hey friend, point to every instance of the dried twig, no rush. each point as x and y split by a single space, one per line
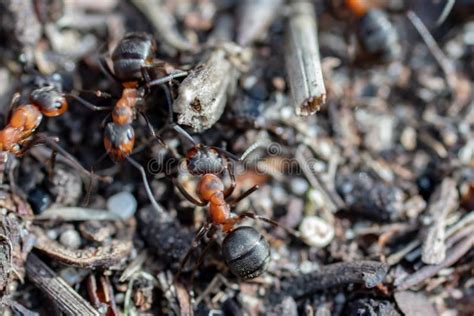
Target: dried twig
203 93
184 300
77 214
101 294
332 200
443 61
255 17
11 261
460 225
446 10
444 201
92 257
369 273
302 59
428 271
66 299
164 23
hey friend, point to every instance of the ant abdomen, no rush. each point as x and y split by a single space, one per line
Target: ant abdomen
246 252
133 52
378 36
119 140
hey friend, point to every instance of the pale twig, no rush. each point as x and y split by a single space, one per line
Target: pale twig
302 58
446 65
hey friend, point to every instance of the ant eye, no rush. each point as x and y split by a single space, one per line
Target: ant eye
58 105
130 133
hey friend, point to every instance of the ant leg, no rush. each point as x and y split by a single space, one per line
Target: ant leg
90 185
152 130
14 101
225 153
188 196
53 144
168 78
169 102
230 167
269 221
89 105
202 255
185 134
105 68
99 94
52 163
195 243
152 199
104 121
243 195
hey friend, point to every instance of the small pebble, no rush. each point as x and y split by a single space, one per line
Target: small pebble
71 239
317 198
279 195
316 232
119 298
299 186
408 138
122 204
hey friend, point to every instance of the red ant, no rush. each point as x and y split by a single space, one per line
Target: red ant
245 250
19 134
132 57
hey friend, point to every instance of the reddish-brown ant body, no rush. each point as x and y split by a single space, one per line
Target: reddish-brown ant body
19 133
26 118
132 58
244 249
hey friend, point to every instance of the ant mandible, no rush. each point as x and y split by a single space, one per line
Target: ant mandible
245 251
132 58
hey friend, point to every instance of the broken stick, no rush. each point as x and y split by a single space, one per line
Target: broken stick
302 58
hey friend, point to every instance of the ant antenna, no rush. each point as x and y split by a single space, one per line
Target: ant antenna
185 134
105 68
52 142
160 81
253 147
269 221
152 130
149 193
88 104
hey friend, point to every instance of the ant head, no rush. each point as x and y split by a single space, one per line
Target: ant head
50 101
119 140
246 252
202 160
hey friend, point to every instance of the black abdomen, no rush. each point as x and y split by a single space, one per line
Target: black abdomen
246 252
133 51
378 36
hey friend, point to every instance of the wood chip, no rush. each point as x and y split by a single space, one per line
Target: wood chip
444 201
65 297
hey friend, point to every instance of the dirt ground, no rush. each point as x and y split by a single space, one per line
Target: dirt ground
371 196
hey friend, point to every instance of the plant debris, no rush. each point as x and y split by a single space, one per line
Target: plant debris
254 157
